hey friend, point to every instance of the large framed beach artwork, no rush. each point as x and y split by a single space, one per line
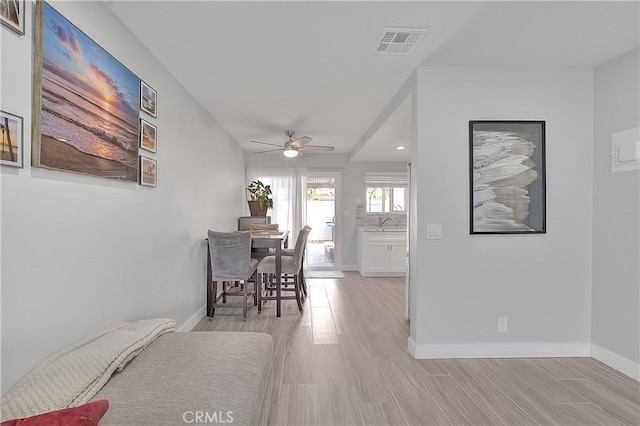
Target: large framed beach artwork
507 177
86 103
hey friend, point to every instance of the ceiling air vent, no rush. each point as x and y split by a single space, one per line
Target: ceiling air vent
396 41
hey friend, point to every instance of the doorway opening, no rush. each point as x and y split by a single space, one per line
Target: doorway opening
321 206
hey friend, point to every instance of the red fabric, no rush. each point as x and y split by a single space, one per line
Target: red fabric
88 414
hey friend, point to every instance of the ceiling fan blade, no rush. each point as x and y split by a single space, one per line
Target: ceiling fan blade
318 148
300 142
269 150
266 143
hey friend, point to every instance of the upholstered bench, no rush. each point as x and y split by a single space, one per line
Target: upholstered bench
194 377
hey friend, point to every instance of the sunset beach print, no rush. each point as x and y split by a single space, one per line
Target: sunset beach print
148 140
148 98
10 140
90 105
11 15
148 170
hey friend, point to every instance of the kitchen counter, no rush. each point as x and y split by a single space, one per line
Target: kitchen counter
374 229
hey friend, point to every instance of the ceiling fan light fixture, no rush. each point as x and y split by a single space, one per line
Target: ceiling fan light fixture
292 148
290 152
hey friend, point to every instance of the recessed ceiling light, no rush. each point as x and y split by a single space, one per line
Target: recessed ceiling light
400 147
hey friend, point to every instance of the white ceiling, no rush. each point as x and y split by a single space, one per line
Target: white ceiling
261 68
395 131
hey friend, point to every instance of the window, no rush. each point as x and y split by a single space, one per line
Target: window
385 192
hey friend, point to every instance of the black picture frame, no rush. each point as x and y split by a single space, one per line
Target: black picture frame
507 177
11 136
148 136
12 15
148 171
148 99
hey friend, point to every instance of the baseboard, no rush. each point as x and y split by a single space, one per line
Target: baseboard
500 350
615 361
412 347
349 268
194 319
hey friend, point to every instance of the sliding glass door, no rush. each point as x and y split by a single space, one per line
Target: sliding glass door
322 207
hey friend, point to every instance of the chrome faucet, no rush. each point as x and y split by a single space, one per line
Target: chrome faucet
382 222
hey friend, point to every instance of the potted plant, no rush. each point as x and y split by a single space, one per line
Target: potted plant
259 198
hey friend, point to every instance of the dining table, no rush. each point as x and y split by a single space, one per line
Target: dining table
263 239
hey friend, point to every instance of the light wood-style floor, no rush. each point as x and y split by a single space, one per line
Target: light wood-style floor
345 362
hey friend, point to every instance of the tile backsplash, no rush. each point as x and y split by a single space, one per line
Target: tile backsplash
366 220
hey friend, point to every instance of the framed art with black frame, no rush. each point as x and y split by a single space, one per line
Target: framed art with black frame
11 139
12 14
148 136
148 99
507 177
148 171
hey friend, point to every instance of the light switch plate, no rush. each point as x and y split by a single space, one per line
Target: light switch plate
434 231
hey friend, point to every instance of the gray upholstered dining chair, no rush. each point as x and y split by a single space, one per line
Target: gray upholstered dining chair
291 265
301 279
230 257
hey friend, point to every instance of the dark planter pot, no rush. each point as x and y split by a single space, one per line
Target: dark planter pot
255 210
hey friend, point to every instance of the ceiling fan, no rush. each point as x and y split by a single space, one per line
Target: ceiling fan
292 148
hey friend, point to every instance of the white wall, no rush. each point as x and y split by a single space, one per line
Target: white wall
352 188
540 282
616 213
79 253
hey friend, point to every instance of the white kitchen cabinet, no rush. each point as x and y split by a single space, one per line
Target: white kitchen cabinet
376 258
398 257
382 253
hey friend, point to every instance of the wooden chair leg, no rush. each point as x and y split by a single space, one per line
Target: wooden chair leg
255 288
224 292
296 287
212 289
303 282
244 303
259 290
278 296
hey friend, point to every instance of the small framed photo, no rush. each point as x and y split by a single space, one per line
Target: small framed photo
148 99
148 171
148 136
507 177
11 139
12 15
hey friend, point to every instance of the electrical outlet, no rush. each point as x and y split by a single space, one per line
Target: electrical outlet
502 324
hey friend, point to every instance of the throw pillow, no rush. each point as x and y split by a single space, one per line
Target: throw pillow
88 414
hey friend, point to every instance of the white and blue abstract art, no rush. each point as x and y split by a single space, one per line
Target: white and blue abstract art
507 177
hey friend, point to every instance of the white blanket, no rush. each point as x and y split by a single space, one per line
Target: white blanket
73 376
